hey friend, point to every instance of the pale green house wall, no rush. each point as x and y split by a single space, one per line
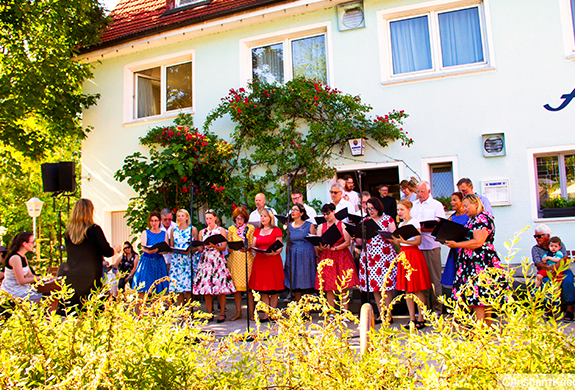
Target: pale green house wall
447 115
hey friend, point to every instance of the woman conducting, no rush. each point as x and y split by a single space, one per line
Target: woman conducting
86 246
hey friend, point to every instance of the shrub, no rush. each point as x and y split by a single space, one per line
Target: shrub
107 347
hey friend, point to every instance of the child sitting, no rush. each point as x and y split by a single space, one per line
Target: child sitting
553 256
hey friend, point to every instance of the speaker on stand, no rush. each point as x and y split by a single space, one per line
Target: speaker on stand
59 178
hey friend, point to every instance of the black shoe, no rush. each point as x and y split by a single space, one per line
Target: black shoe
264 320
377 321
568 316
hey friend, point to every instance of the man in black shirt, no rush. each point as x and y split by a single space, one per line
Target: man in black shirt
389 203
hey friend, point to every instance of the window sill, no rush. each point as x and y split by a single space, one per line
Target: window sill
158 118
438 75
554 220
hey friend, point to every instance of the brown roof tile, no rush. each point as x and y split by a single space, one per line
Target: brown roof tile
135 18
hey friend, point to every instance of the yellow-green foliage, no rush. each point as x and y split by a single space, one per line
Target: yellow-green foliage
108 347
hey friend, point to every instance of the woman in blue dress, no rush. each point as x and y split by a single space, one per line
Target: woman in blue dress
180 266
461 218
152 266
300 268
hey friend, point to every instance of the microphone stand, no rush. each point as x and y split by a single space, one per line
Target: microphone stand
191 247
246 247
288 252
359 174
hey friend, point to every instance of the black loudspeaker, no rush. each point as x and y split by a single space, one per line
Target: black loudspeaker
59 177
67 177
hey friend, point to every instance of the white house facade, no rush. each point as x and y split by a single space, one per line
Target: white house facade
487 85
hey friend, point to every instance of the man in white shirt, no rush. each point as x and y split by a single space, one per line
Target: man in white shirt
260 200
352 196
425 208
336 193
167 225
297 198
466 187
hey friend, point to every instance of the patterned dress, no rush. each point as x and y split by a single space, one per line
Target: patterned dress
342 263
213 277
267 272
301 265
180 268
380 255
152 267
472 262
237 259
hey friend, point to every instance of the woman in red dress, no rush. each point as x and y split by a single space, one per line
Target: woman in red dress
419 280
341 256
267 271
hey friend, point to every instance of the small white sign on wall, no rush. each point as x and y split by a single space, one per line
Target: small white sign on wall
497 191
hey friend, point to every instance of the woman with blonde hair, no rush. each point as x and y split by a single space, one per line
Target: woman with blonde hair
237 259
181 264
476 255
267 272
86 247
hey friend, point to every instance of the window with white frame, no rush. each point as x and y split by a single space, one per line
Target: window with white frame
283 59
555 177
441 182
429 42
161 89
572 18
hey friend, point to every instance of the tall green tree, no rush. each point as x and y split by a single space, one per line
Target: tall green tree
40 76
41 103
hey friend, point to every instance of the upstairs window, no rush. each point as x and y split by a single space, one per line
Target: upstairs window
459 33
162 89
427 42
290 58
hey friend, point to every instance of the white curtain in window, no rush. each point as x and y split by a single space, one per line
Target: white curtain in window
410 45
308 58
145 97
460 33
268 63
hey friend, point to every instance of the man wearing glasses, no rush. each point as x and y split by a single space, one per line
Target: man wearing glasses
297 198
167 225
542 236
336 193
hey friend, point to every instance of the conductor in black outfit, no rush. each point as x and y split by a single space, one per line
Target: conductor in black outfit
389 202
86 246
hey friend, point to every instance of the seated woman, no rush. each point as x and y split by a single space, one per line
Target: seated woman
17 274
127 263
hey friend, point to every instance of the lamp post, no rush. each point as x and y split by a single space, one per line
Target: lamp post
34 207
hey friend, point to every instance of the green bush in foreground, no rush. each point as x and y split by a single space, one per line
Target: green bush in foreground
107 347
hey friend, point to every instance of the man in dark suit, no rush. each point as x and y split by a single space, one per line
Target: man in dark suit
389 203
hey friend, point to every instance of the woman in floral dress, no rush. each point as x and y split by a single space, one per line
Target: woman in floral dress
181 267
476 256
237 260
380 254
213 276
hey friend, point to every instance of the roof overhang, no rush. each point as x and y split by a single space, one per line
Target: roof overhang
175 34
